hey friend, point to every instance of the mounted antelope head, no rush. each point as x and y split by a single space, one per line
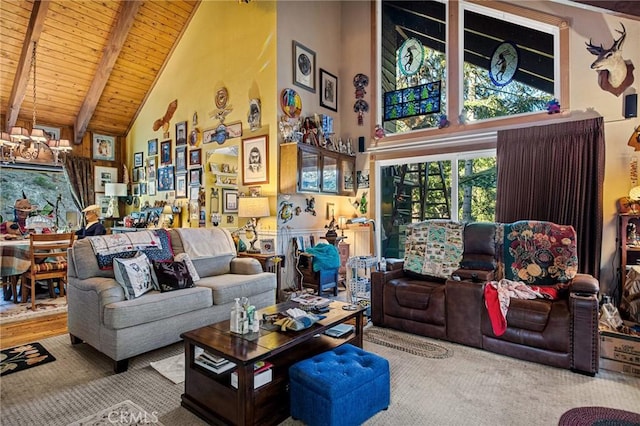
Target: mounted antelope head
612 65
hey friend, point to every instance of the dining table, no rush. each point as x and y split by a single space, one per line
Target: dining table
15 259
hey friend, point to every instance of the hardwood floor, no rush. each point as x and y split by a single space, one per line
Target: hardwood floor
34 330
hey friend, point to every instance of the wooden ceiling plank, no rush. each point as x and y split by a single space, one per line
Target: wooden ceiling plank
111 52
18 91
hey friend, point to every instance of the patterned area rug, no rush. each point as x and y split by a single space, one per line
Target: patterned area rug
406 342
12 312
22 357
123 413
599 416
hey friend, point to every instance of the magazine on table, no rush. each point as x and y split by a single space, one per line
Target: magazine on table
311 300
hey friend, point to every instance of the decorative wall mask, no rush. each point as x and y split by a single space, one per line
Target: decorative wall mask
615 74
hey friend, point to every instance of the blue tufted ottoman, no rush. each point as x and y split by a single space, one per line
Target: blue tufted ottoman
343 386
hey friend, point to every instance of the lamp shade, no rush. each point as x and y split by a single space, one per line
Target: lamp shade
167 209
253 207
115 189
634 193
38 135
64 145
19 133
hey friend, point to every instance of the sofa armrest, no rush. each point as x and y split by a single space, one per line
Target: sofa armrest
378 281
584 284
245 266
107 290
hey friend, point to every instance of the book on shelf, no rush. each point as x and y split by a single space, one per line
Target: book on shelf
340 330
262 374
212 362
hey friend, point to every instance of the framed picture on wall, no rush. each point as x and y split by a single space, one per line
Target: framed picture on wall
137 159
103 201
195 157
304 67
166 178
152 147
181 186
229 201
165 152
195 176
104 175
181 133
255 160
181 158
328 90
104 147
151 168
151 187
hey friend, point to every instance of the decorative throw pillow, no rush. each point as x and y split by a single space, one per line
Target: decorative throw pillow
172 275
134 275
184 257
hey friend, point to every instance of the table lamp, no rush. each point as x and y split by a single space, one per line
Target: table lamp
114 190
254 208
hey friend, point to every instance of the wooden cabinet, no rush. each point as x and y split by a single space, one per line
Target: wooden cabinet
629 245
308 168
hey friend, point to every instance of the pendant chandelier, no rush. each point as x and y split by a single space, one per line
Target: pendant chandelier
19 142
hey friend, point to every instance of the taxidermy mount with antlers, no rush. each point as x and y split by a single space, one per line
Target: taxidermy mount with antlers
614 73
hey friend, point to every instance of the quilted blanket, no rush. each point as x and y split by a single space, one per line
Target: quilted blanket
126 241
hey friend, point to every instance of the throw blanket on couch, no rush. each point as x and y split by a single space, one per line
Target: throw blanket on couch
200 243
155 244
126 241
497 295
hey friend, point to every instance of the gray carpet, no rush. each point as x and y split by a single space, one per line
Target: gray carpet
471 387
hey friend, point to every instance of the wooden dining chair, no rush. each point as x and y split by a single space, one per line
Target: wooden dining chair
48 262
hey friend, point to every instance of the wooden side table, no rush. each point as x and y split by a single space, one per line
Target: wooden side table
268 265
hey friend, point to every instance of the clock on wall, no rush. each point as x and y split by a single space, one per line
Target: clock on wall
410 56
504 63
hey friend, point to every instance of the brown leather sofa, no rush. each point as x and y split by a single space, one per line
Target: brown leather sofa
561 333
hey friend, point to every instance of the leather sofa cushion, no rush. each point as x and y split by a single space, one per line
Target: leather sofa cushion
416 300
537 323
479 246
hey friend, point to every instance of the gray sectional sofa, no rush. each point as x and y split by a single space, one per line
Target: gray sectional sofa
100 315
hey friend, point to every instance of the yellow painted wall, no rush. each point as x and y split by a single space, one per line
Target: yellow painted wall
228 44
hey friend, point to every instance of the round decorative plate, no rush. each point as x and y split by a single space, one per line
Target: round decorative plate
290 103
410 56
222 96
193 137
504 63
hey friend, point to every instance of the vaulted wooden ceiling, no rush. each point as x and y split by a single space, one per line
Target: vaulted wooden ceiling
95 60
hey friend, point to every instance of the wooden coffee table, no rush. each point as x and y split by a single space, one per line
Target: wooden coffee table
211 395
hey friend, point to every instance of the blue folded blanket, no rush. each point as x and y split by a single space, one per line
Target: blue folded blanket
325 256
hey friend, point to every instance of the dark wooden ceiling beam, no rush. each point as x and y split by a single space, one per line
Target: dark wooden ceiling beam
111 52
19 88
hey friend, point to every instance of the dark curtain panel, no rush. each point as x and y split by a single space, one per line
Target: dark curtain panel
79 170
555 173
